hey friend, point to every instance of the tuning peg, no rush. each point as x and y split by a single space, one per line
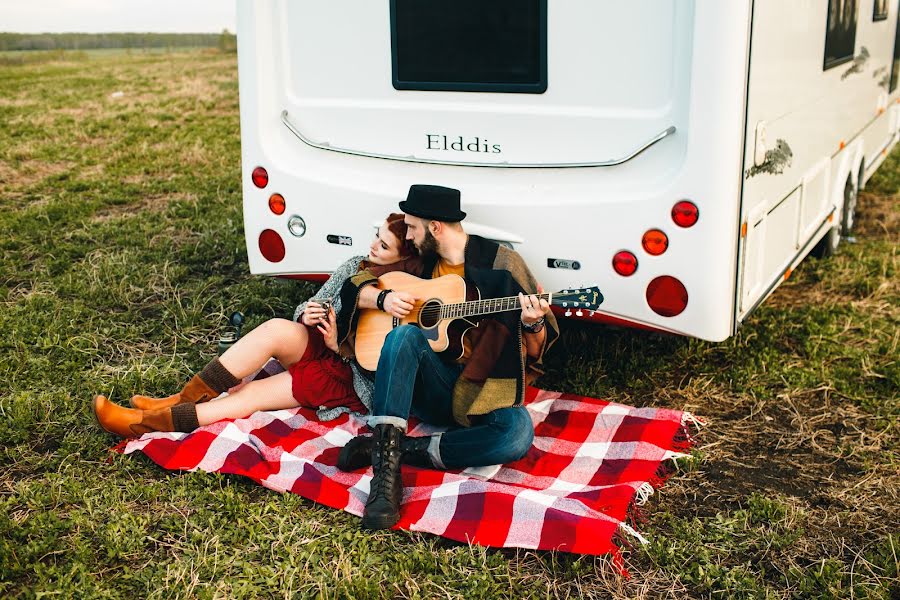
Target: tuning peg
568 313
592 313
578 313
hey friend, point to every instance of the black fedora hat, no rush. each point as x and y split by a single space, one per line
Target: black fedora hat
433 202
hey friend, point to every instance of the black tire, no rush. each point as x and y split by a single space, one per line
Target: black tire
828 245
848 214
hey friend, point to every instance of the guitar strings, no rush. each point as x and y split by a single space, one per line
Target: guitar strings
508 304
493 305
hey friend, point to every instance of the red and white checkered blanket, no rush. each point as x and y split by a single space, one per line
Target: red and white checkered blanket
590 461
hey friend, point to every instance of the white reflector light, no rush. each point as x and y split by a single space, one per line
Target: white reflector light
297 226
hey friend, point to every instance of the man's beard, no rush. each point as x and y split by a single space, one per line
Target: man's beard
429 245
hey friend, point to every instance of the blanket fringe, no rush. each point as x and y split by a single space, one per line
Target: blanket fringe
119 448
684 439
634 533
690 418
643 493
683 442
619 562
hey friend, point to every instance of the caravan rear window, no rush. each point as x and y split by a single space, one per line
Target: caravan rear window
469 45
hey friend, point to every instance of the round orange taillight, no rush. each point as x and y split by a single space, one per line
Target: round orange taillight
271 246
685 213
667 296
276 204
655 242
625 263
260 177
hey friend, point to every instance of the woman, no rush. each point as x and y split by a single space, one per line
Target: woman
319 372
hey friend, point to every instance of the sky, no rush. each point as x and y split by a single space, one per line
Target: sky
97 16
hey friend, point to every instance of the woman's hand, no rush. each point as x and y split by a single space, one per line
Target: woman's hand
313 314
328 327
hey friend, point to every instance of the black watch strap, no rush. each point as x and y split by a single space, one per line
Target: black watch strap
380 301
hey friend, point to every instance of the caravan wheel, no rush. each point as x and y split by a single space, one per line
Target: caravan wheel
829 244
848 215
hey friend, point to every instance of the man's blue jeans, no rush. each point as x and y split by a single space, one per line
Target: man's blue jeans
412 380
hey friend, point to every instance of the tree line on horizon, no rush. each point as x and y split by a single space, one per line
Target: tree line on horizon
90 41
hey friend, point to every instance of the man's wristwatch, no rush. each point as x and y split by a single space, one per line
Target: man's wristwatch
379 302
534 327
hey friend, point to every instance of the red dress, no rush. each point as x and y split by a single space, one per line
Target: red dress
320 379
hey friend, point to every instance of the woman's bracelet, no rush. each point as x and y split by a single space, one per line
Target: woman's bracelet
381 297
535 327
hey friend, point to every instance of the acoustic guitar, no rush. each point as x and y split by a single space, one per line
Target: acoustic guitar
447 308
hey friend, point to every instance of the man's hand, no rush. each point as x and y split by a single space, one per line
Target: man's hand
328 327
533 308
399 304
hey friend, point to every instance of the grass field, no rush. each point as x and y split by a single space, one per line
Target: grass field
121 253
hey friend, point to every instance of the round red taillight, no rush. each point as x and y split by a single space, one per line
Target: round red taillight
276 204
271 245
655 242
667 296
260 177
625 263
685 213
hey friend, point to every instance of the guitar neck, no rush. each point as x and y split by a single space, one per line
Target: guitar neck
488 306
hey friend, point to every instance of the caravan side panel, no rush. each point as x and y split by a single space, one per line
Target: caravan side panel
811 128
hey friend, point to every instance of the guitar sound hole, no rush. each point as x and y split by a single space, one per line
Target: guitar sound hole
430 314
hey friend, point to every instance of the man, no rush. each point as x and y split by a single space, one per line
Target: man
479 396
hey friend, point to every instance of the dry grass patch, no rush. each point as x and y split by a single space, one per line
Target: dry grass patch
878 217
151 203
31 171
194 87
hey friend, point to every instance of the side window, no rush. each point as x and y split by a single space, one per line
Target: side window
840 32
880 11
895 64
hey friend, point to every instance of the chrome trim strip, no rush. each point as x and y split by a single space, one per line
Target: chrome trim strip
606 163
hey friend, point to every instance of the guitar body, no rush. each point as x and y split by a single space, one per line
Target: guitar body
444 335
439 309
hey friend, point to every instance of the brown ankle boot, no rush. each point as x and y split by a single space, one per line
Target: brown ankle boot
206 385
130 422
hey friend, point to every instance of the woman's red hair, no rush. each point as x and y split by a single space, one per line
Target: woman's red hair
397 226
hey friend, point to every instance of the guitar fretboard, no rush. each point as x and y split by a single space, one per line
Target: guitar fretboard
484 307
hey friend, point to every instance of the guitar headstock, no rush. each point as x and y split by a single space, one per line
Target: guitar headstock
579 299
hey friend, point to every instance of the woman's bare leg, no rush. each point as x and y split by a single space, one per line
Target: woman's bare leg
285 340
279 338
272 393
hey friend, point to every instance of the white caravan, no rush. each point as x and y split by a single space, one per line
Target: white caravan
683 155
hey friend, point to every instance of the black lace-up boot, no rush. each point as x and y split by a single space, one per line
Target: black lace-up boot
357 453
415 451
386 489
